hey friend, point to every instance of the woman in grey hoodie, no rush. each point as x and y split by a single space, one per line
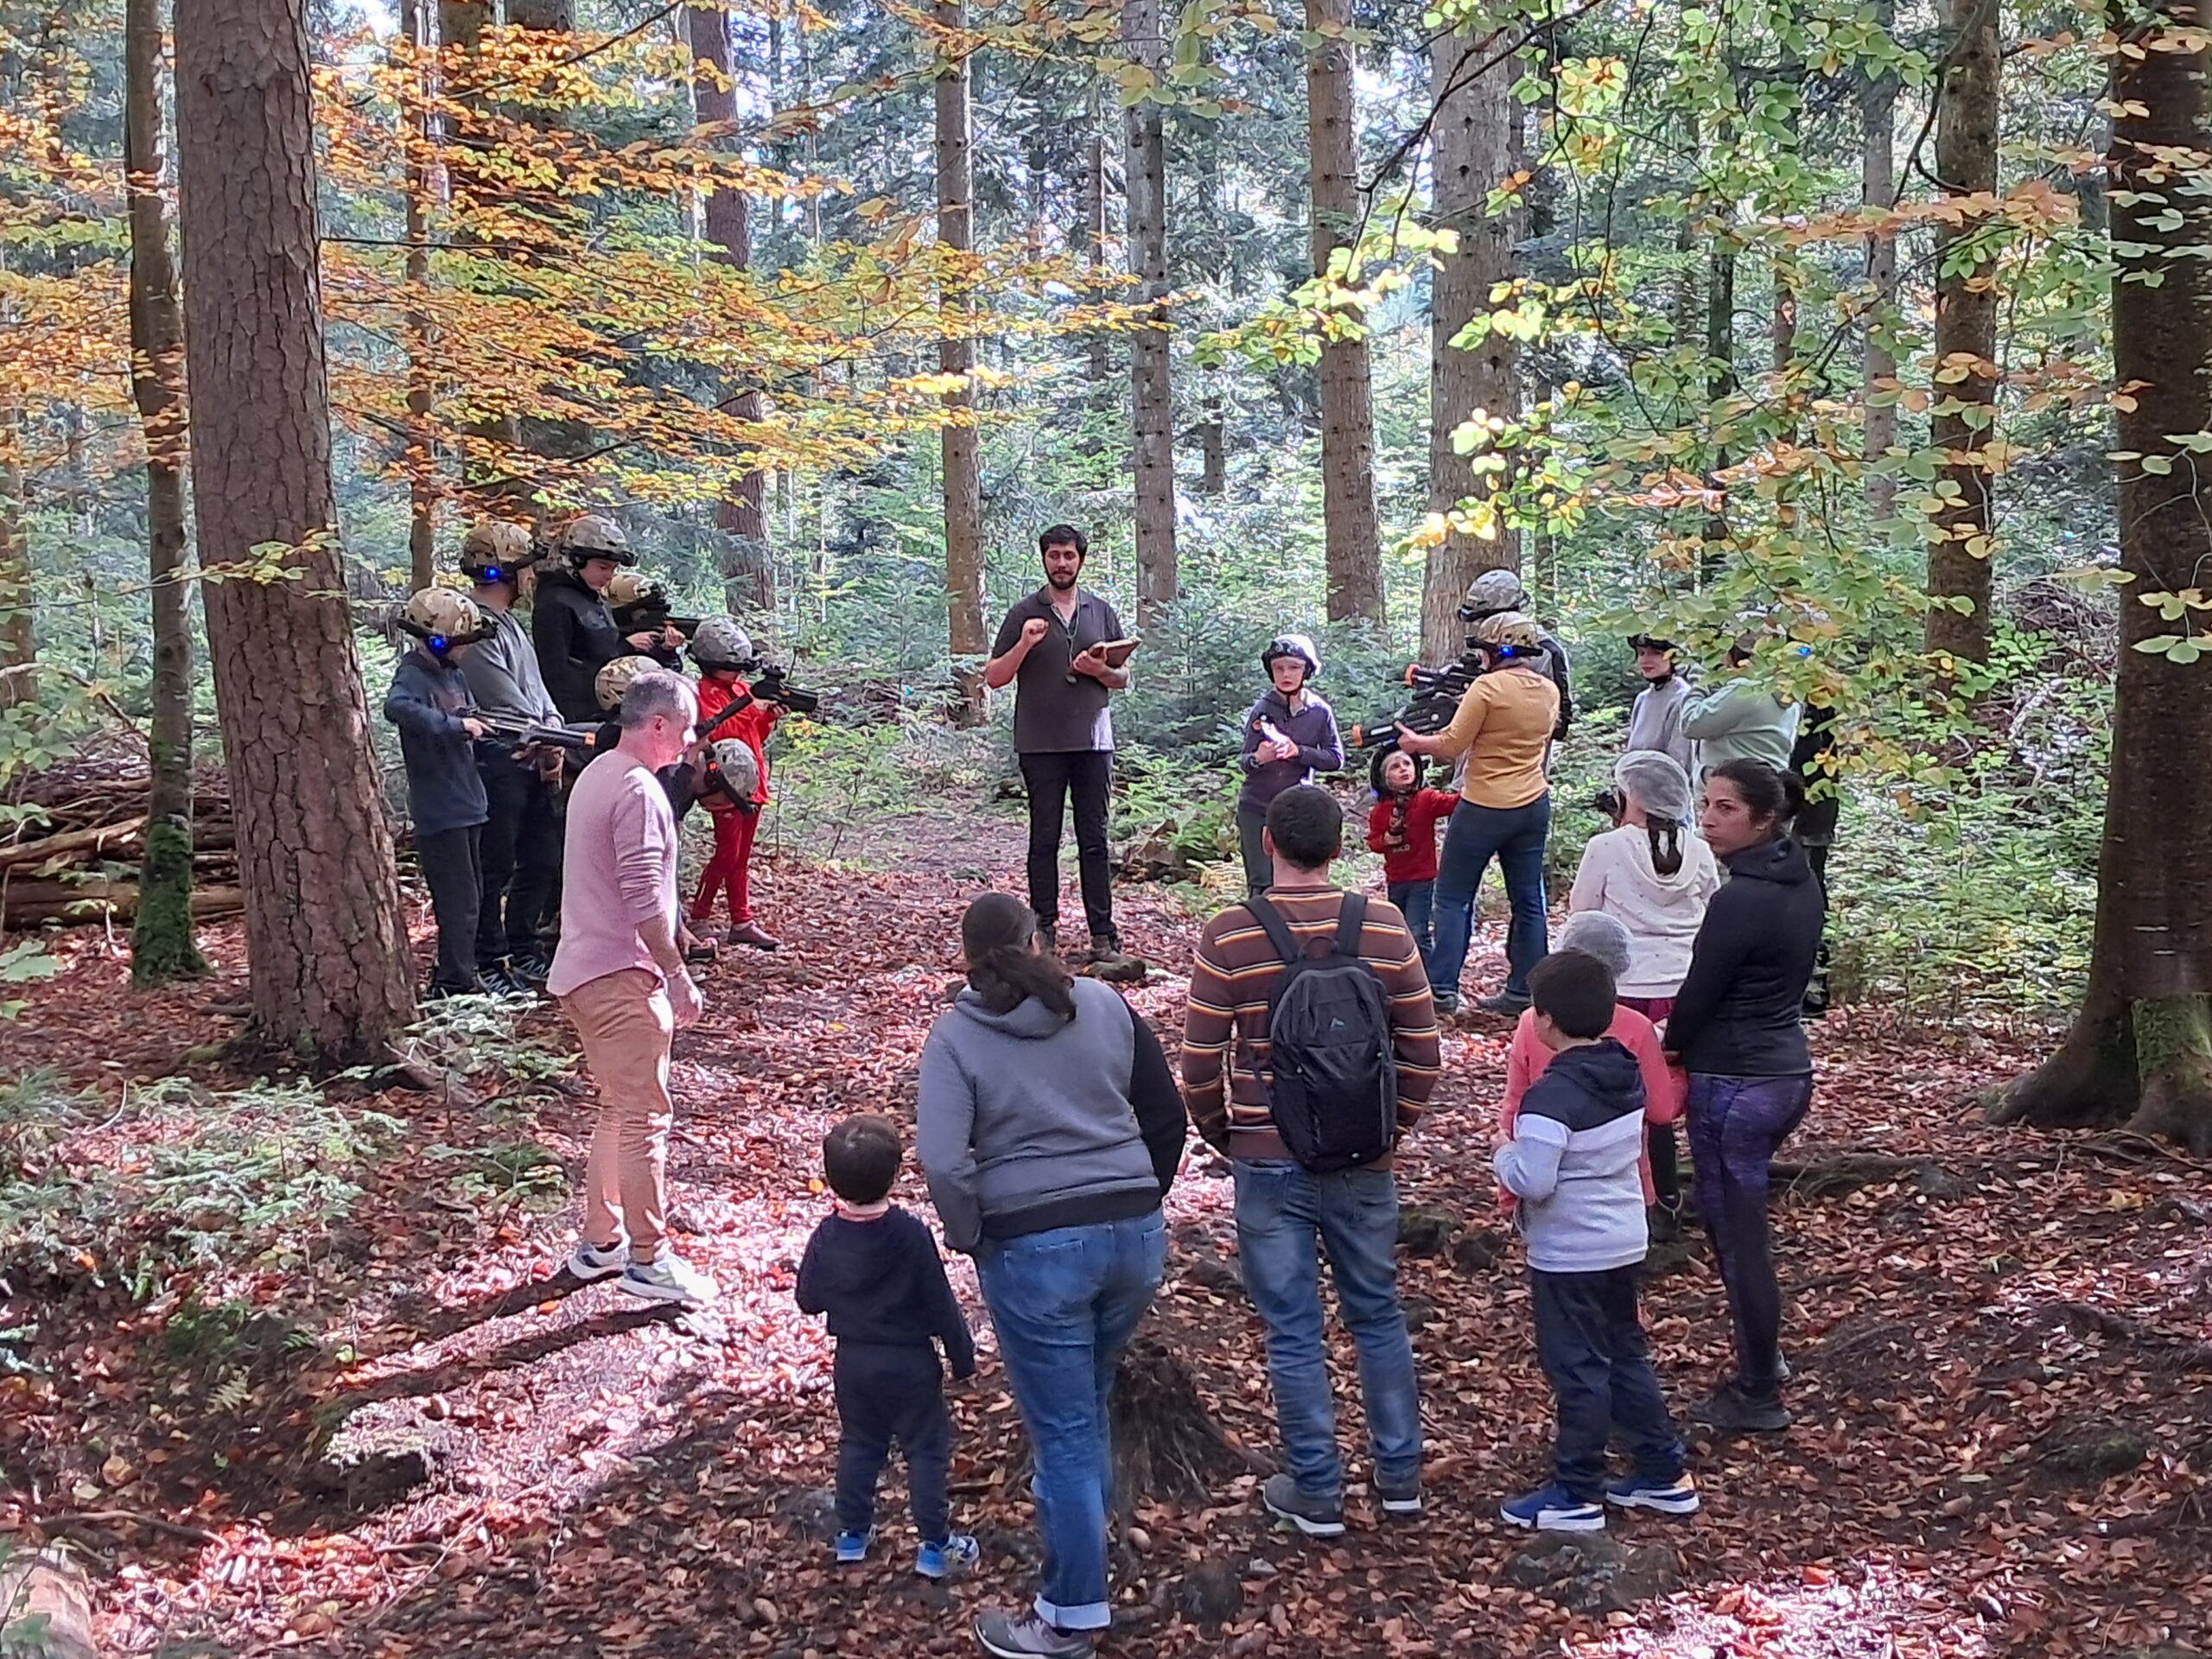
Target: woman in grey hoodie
1050 1128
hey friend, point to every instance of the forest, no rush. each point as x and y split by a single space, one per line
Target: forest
1871 339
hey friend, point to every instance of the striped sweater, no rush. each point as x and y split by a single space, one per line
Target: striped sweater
1225 1025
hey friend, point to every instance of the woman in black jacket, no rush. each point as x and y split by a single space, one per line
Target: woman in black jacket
1737 1027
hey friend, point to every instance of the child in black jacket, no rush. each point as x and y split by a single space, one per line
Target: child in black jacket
875 1270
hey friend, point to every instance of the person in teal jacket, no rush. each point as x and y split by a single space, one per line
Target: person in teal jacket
1738 718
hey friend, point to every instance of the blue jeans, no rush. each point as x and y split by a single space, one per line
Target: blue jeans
1736 1125
1418 900
1593 1349
1282 1211
1515 835
1064 1304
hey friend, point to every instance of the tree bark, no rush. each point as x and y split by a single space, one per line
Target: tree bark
1353 550
1151 404
1474 135
2141 1051
18 641
963 489
1959 559
1720 387
1098 344
329 960
554 16
1879 189
162 946
422 481
747 587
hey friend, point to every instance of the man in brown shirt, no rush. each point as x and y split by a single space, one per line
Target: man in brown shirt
1288 1217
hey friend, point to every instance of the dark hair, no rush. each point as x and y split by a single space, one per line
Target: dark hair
1063 536
1374 768
1773 795
1666 838
995 935
861 1157
1576 990
1308 826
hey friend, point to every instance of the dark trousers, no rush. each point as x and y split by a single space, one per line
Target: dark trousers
450 870
886 1394
1593 1349
521 857
1259 868
1084 775
1736 1126
1416 901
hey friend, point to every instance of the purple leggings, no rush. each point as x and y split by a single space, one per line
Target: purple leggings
1736 1124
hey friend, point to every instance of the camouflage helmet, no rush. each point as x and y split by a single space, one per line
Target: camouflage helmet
595 537
627 587
1509 631
494 550
442 618
739 768
721 642
614 678
1490 593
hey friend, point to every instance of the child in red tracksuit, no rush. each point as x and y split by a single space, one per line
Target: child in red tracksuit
735 823
1402 828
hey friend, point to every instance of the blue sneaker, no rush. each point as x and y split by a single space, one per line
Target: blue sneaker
852 1547
954 1553
1676 1497
1554 1509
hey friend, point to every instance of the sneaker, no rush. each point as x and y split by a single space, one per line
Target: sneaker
501 982
754 934
852 1547
1448 1003
1025 1635
1731 1408
1048 939
531 970
669 1278
1398 1500
1664 1222
1781 1367
1676 1497
949 1554
1504 1004
1317 1517
1554 1509
591 1263
1105 951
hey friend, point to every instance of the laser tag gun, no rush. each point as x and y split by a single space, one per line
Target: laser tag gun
1436 698
772 684
641 605
524 735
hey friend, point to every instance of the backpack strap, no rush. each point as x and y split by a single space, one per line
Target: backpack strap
1277 930
1351 922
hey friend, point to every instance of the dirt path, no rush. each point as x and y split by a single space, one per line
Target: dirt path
602 1479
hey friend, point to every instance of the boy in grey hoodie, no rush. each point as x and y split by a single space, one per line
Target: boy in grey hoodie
1572 1163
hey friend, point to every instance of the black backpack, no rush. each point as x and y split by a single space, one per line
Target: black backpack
1334 1096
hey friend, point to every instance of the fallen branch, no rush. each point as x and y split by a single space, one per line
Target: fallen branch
105 838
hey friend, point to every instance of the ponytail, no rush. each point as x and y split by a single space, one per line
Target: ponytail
997 936
1666 837
1773 795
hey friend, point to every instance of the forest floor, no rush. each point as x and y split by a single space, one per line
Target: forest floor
2002 1344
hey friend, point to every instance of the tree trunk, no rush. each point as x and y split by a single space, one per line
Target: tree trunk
1959 560
1151 404
963 489
1354 552
1879 189
162 947
422 448
329 960
1720 387
2141 1051
1213 442
742 512
554 16
1098 343
18 643
1474 133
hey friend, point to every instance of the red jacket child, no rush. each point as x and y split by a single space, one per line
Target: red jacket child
730 869
1402 828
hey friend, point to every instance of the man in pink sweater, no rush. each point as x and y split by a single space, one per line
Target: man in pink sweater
621 978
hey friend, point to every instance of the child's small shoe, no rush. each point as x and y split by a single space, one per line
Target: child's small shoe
852 1547
944 1556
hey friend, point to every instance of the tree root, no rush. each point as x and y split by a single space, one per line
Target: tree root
2170 1352
1845 1173
2148 1067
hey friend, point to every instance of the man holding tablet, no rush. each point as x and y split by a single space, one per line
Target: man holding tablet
1062 649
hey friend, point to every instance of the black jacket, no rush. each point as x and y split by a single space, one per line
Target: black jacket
574 634
1740 1010
427 701
883 1282
1557 652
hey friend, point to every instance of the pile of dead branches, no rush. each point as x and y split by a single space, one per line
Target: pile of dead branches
75 860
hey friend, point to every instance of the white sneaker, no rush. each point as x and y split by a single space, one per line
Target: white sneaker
591 1263
669 1278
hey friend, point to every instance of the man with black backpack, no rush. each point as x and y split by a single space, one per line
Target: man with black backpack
1309 1046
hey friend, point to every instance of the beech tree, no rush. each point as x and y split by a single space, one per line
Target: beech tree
328 960
162 946
1152 406
2140 1051
963 484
